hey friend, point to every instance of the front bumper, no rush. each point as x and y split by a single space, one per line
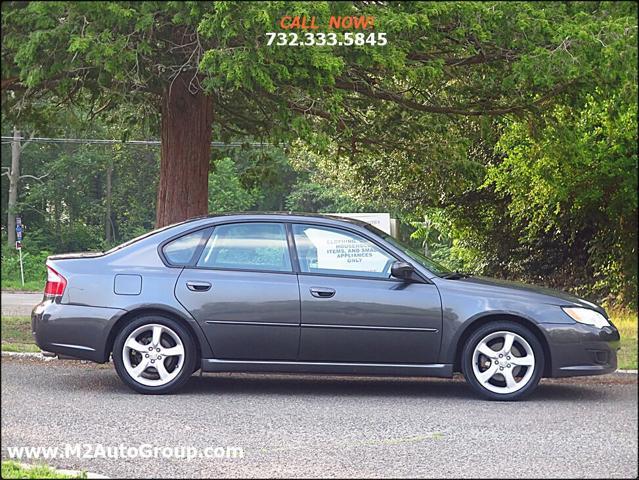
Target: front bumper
76 331
578 349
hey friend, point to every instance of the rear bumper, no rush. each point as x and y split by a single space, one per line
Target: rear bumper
578 349
76 331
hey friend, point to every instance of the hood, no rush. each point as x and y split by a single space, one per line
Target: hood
550 295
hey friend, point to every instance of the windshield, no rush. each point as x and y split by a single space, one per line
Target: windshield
419 257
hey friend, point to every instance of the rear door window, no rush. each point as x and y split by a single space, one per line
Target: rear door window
247 246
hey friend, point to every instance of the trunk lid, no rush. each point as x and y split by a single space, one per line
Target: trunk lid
68 256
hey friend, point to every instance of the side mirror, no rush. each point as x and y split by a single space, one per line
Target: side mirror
402 270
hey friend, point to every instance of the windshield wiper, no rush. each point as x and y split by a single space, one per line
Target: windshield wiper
456 275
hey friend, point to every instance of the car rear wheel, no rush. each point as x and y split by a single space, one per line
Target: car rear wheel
503 361
154 354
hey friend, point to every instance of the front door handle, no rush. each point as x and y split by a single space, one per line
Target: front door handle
198 286
322 292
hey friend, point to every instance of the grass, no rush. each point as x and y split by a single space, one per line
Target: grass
16 330
626 322
16 285
16 336
20 347
15 470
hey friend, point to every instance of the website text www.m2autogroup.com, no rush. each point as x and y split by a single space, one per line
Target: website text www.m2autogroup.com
121 451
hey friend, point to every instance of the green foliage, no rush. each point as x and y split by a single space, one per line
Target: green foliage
314 191
514 121
433 233
575 176
33 262
66 209
626 322
226 192
307 196
460 58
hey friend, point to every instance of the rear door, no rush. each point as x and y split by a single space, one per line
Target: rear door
353 311
244 293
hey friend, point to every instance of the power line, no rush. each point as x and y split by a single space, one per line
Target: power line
7 140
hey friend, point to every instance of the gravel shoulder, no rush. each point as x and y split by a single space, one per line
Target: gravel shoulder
325 426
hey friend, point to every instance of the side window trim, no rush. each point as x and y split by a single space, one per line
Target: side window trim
292 248
200 248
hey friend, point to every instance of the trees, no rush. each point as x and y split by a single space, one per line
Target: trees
109 55
576 178
453 113
189 59
14 176
546 194
226 192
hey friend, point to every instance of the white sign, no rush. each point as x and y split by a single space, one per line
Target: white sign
378 220
342 251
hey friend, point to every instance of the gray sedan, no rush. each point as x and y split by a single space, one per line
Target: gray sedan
312 294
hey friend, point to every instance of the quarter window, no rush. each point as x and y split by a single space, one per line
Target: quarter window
179 252
247 246
335 251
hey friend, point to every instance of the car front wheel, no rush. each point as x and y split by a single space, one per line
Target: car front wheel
503 361
154 354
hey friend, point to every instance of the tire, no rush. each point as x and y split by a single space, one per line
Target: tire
497 372
150 367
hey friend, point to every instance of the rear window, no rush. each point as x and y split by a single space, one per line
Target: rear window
180 252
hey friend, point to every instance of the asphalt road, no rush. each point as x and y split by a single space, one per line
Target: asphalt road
19 303
325 426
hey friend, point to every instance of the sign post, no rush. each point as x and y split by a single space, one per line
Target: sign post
19 245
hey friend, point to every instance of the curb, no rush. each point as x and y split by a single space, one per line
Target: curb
20 291
77 473
34 355
39 356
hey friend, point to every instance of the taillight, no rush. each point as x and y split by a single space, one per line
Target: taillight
56 284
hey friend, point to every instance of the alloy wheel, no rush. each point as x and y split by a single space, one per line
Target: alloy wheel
153 355
503 362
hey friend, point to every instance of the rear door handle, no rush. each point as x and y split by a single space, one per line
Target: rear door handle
322 292
198 286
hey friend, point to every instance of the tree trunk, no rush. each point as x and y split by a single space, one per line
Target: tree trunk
108 228
14 179
185 153
57 213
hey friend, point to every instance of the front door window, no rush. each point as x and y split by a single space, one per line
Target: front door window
326 250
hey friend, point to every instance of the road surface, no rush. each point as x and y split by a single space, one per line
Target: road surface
291 426
19 304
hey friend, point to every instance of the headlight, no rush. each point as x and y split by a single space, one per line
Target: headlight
587 316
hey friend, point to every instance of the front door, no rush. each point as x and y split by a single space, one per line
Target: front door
353 311
244 293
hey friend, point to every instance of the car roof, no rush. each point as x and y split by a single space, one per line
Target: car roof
179 228
281 216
